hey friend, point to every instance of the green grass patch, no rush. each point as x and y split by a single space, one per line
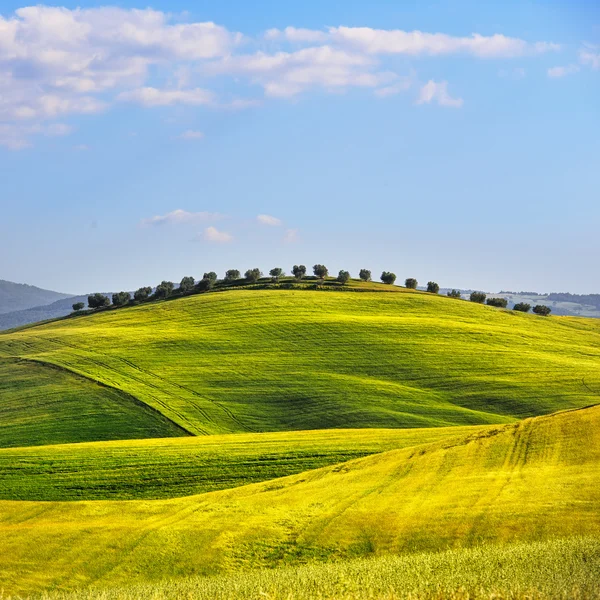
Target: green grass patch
278 360
40 404
168 468
559 569
529 482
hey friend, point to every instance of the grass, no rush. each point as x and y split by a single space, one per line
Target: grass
168 468
566 569
530 481
278 360
40 404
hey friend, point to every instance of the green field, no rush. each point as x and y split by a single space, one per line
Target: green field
530 481
277 360
168 468
562 569
419 446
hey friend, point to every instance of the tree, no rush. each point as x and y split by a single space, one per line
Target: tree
276 273
232 275
210 275
478 297
78 306
522 307
187 283
252 275
121 298
499 302
411 283
320 271
433 287
541 309
343 277
142 294
164 290
98 301
454 294
205 284
298 271
388 277
365 274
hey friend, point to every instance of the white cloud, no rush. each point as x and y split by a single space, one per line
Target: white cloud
402 85
212 234
562 71
438 92
385 41
180 216
269 220
291 235
590 57
150 96
293 34
191 134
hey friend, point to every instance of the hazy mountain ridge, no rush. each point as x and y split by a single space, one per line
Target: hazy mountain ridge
21 296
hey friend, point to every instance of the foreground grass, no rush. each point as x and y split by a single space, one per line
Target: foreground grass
555 569
530 481
46 405
278 360
172 467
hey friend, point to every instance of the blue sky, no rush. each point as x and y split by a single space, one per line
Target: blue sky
453 141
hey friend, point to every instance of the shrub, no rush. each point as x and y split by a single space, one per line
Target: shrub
276 273
98 301
499 302
205 284
187 283
211 275
142 294
121 298
522 307
365 274
164 289
454 294
388 277
541 309
298 271
78 306
320 271
411 283
232 275
478 297
433 287
252 275
343 277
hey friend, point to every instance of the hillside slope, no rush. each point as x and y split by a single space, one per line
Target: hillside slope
276 360
20 296
534 480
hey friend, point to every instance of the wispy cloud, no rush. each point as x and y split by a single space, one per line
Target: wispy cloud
180 216
150 96
269 220
562 71
212 234
591 57
291 236
438 92
191 134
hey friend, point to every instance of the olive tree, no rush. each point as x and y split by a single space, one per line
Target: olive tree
365 274
121 298
142 294
276 273
498 302
78 306
541 309
478 297
522 307
232 275
164 289
298 271
252 275
210 275
388 277
343 277
320 271
454 294
187 284
411 283
433 287
98 301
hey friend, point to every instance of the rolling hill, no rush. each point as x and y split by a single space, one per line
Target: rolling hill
253 360
532 481
20 296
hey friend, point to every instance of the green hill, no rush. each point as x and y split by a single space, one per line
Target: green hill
255 360
536 480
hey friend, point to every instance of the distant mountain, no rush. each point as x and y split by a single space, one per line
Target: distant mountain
19 296
60 308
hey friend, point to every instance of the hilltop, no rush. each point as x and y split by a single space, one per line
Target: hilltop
20 296
251 360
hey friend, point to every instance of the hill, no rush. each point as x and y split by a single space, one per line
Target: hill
19 296
532 481
252 360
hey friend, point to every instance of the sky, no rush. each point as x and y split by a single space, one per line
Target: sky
450 141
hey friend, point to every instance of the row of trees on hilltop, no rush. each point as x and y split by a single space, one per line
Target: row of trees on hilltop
189 285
